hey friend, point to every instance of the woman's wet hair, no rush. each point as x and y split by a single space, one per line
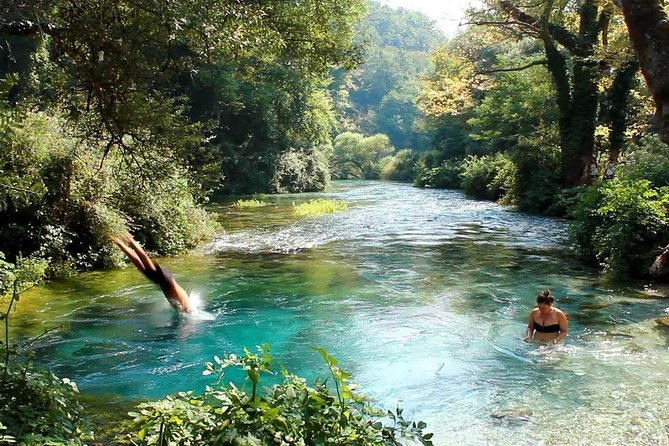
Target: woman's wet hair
545 297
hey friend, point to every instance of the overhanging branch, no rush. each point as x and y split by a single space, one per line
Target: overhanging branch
509 69
563 36
27 28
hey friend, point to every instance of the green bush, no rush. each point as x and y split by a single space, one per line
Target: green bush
487 177
39 408
649 160
400 167
289 413
36 407
164 216
535 187
444 176
321 206
62 202
249 203
619 222
304 170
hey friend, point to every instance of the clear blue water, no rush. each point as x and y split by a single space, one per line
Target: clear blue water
422 295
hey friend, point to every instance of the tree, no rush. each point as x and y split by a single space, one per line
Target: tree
114 64
383 90
356 156
648 27
575 38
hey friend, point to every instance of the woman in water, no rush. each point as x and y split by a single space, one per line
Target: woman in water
175 295
547 323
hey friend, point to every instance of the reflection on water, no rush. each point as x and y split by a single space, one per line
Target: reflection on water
423 295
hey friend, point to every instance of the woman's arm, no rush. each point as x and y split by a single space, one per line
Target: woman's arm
564 327
530 328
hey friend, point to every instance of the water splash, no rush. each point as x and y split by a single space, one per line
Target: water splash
197 313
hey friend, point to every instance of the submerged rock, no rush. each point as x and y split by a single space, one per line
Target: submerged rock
594 305
655 291
663 321
513 415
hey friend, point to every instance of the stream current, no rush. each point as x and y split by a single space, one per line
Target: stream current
422 295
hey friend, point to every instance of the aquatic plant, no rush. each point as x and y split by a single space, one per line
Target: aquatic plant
250 203
320 206
289 413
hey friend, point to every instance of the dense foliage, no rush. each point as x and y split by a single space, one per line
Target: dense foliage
36 407
59 201
291 412
621 222
360 157
127 115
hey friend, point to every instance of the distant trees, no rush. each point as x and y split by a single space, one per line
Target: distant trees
382 92
357 156
135 76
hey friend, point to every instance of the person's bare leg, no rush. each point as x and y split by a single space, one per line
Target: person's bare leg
175 295
131 253
146 260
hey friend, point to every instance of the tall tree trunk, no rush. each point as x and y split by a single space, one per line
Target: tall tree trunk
648 27
577 93
557 67
619 98
578 148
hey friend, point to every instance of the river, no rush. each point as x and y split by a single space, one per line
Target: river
422 295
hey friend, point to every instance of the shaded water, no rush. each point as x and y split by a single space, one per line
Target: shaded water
423 295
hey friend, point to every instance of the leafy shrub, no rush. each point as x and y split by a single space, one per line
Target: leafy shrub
357 156
432 158
647 161
165 216
444 176
318 207
301 170
535 187
289 413
36 407
619 222
64 207
249 203
400 167
486 177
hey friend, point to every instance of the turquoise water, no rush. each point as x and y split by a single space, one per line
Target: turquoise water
422 295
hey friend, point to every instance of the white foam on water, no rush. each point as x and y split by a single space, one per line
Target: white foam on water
197 313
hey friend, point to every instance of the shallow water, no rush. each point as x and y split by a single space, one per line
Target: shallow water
421 294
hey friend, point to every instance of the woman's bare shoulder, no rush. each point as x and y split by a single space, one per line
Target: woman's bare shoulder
559 312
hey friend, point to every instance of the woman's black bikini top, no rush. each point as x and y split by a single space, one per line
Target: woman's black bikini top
554 328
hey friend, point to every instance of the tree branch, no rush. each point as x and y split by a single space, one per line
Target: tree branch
563 36
18 189
521 68
27 28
